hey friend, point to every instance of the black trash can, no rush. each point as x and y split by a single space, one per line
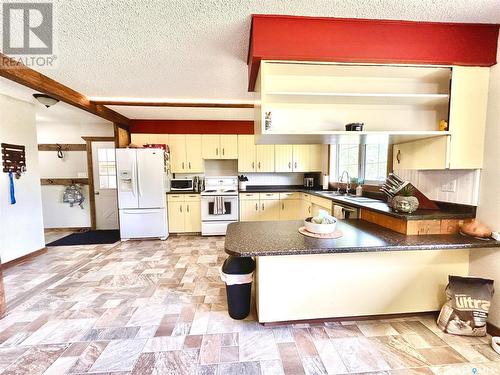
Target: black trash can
237 273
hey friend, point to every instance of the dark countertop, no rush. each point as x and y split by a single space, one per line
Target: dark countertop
182 192
448 211
261 238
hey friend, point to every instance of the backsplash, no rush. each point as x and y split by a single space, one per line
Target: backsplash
275 178
432 182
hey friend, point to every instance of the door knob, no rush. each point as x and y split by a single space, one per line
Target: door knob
96 193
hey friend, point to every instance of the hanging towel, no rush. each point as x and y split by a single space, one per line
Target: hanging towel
12 191
219 207
338 212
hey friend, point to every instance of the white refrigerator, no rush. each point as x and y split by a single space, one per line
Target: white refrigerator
141 193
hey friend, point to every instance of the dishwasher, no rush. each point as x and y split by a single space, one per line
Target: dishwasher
343 211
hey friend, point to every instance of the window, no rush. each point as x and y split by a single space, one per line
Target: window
366 162
107 168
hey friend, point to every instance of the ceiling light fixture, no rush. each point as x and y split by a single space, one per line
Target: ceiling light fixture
46 100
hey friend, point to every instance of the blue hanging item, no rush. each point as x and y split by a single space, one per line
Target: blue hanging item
12 191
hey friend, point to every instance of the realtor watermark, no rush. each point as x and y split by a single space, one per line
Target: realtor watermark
28 34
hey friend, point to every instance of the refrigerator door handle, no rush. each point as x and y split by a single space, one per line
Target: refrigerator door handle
139 179
134 186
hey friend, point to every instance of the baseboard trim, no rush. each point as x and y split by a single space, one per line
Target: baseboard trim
65 229
351 318
23 259
492 329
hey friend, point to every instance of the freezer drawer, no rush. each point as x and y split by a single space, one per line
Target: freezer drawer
143 223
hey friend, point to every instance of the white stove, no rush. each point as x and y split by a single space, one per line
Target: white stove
219 192
219 204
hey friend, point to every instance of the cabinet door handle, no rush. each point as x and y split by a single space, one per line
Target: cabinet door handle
289 165
182 165
398 156
259 164
262 206
282 206
253 165
222 151
187 208
256 206
295 164
189 165
217 151
180 208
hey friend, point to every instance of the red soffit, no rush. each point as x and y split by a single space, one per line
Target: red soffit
369 41
191 126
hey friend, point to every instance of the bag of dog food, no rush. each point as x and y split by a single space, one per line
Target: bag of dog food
466 309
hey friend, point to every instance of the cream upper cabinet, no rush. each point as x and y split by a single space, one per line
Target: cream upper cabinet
246 153
159 139
301 158
229 146
140 139
283 158
264 158
185 153
316 158
217 146
194 161
178 153
423 154
210 147
464 147
468 106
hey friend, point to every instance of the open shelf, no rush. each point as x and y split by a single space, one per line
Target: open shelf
359 98
347 137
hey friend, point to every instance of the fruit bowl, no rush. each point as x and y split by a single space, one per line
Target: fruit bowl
319 228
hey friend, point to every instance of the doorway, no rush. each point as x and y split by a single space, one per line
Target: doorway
104 184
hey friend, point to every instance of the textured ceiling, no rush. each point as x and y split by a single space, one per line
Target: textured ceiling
198 48
177 49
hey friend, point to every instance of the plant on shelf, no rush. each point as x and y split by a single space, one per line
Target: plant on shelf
405 201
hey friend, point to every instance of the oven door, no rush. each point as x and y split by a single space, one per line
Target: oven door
207 209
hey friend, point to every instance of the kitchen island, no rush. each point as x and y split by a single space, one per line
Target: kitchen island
370 270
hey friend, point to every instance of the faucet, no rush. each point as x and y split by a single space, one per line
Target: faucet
348 182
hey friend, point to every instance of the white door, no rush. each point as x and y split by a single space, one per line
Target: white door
104 165
126 169
150 172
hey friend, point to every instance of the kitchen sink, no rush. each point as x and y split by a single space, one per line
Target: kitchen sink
362 199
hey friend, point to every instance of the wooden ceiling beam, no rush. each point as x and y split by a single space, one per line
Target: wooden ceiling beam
17 72
173 104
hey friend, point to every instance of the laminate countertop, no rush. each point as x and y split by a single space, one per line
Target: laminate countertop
182 192
447 211
268 238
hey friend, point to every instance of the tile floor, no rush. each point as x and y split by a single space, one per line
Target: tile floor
155 307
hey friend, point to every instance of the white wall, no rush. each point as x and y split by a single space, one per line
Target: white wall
57 214
21 224
486 263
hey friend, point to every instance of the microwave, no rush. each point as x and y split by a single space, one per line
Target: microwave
177 184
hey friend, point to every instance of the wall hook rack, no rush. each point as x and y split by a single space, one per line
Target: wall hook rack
13 159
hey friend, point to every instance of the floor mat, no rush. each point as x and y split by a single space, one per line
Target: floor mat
92 237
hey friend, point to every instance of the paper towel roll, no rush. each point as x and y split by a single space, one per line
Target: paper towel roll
326 181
